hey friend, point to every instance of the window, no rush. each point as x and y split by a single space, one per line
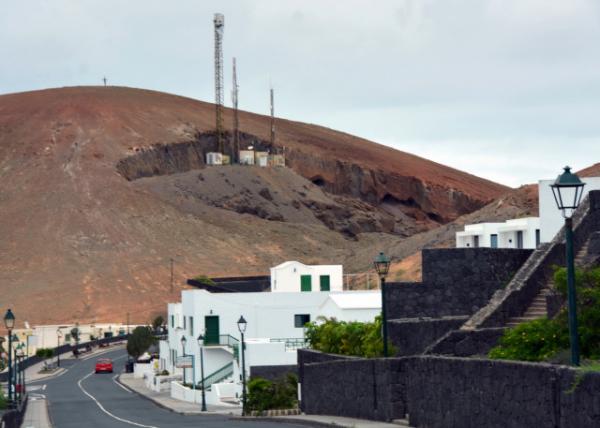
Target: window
324 282
520 239
537 238
173 321
476 241
192 326
301 319
305 283
184 323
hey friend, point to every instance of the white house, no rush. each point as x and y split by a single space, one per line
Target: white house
275 330
551 219
516 233
295 276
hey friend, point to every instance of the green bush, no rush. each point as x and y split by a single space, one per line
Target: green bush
3 401
203 279
44 353
362 339
139 341
544 339
266 395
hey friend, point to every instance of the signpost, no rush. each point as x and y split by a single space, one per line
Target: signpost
185 362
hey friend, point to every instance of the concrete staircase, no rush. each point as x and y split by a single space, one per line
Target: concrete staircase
537 309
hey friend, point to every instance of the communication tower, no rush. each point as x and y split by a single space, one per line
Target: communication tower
236 120
219 21
272 120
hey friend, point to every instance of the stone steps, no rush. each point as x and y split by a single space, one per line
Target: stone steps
538 309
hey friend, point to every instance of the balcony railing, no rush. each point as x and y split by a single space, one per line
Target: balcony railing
292 343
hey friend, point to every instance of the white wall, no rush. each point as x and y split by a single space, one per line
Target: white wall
286 276
551 219
506 232
265 353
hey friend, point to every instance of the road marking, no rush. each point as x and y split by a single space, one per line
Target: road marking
106 411
114 379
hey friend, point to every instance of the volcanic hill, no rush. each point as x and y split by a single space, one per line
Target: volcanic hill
100 187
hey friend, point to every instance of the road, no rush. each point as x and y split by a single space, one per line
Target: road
80 398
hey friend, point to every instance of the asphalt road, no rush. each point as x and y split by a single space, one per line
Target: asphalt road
80 398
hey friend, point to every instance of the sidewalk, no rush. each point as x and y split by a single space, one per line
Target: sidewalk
36 415
163 399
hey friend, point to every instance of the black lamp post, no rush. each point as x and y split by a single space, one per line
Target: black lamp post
382 266
58 336
183 341
9 323
567 190
242 324
201 347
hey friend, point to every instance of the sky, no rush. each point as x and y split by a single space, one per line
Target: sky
508 90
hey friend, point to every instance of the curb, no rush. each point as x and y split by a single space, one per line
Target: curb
288 420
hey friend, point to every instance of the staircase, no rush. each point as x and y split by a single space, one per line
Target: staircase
537 309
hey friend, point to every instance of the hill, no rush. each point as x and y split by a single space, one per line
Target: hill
101 187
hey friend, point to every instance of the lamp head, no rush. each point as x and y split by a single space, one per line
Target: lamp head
382 264
242 324
567 190
9 320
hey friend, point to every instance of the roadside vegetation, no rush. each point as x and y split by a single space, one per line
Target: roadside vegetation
264 394
548 339
140 341
361 339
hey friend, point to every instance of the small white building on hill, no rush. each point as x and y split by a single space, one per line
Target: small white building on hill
294 276
517 233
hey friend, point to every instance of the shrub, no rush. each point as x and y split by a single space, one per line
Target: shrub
203 279
44 353
264 394
362 339
139 341
545 339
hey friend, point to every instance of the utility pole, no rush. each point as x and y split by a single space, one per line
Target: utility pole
171 274
236 120
127 323
219 23
104 80
272 120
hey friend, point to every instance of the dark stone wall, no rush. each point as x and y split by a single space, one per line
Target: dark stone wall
412 336
466 343
463 393
273 372
456 281
451 392
360 388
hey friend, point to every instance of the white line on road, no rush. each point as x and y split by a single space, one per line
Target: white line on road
114 379
106 411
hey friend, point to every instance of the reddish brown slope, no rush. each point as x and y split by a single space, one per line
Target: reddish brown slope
81 242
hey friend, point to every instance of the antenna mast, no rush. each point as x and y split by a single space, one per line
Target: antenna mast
236 120
272 120
219 21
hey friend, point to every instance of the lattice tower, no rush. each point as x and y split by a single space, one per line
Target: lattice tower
236 120
219 21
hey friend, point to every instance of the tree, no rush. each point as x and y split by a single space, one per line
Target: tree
157 322
139 341
75 335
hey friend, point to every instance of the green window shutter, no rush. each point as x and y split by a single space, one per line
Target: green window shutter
324 282
305 283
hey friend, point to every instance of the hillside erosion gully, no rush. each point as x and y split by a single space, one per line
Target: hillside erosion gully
428 203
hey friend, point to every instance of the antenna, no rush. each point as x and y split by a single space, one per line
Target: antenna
219 21
104 80
236 120
272 120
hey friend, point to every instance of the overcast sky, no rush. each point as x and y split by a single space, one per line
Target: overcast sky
504 89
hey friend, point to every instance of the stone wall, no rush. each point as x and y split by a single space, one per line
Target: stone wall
412 336
451 392
359 388
273 372
456 281
463 343
516 297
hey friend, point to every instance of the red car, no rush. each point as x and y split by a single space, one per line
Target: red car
104 365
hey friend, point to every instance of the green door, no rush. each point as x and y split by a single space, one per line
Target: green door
305 283
324 282
211 335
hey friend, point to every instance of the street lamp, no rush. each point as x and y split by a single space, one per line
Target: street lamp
9 323
242 324
201 348
58 336
183 341
382 266
567 190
